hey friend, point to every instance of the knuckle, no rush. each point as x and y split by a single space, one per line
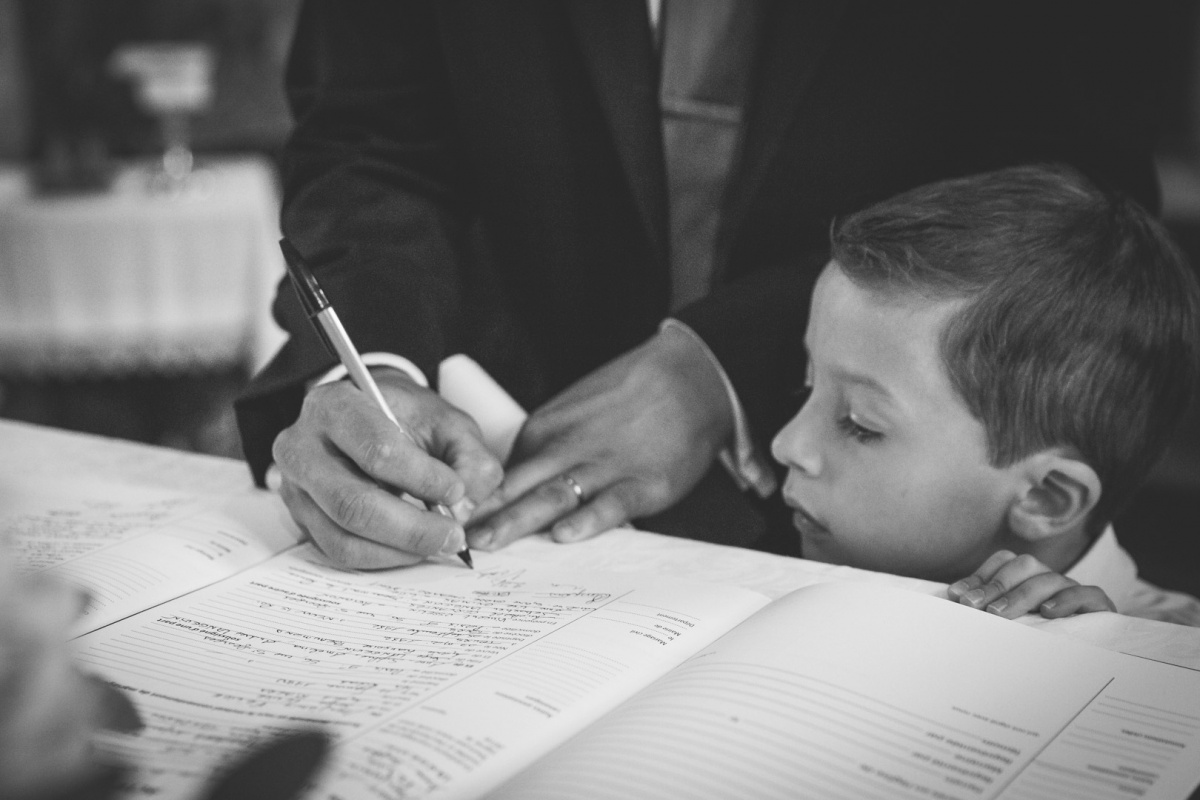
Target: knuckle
490 472
997 585
429 486
500 497
313 404
463 421
501 528
291 495
284 448
609 513
557 493
336 548
429 539
353 509
639 491
435 482
626 500
1028 563
504 493
374 456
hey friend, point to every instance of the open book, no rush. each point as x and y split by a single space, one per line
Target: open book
515 681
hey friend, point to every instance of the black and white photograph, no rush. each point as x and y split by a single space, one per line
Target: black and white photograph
599 399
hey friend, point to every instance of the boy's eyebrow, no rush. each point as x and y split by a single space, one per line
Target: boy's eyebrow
865 380
851 377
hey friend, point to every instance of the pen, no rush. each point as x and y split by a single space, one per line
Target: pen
329 328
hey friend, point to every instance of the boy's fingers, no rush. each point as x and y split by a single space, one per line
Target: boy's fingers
1076 600
1015 572
957 589
1028 595
985 572
988 569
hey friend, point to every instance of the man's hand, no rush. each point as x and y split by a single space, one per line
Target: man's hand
1009 585
345 467
624 442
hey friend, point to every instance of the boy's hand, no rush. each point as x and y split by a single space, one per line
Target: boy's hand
1010 585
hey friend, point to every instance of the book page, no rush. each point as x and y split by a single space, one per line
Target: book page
852 691
132 547
430 678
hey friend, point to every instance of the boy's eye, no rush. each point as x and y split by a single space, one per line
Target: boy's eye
850 427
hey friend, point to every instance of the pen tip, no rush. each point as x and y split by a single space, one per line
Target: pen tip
465 555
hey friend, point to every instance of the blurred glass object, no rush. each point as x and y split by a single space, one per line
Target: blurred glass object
172 81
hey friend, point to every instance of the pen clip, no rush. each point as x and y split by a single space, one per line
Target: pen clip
311 295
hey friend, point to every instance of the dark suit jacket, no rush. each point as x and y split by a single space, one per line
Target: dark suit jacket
487 177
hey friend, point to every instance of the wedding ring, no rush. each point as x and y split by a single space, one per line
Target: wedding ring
575 487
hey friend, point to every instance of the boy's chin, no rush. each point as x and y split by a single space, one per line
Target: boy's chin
823 548
819 547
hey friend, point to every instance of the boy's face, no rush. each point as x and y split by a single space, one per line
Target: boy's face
887 469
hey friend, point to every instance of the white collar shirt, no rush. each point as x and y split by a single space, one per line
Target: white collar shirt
1108 565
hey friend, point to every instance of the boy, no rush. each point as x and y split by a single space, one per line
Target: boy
995 363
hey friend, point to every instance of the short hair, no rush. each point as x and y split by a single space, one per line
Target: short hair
1079 328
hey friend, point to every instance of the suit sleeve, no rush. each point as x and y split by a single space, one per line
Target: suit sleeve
373 196
755 327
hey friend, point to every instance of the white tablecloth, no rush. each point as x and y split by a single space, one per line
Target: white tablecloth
130 280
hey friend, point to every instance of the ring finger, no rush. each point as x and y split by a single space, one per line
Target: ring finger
537 509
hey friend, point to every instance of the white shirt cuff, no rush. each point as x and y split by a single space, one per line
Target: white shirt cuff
377 360
744 464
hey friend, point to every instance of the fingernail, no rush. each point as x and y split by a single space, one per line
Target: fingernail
974 597
957 588
564 533
998 605
463 509
456 540
481 538
1049 604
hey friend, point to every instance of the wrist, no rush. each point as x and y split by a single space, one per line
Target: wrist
738 454
698 378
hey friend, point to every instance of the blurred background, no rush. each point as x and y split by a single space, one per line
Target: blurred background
138 226
139 211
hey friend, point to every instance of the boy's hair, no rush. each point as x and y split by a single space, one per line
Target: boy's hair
1080 323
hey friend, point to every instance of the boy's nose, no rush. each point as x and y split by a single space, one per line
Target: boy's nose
795 445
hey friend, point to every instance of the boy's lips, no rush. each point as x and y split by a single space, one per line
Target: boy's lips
805 523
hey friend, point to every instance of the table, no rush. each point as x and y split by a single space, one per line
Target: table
31 449
135 281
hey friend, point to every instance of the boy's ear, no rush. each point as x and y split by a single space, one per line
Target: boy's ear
1059 491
